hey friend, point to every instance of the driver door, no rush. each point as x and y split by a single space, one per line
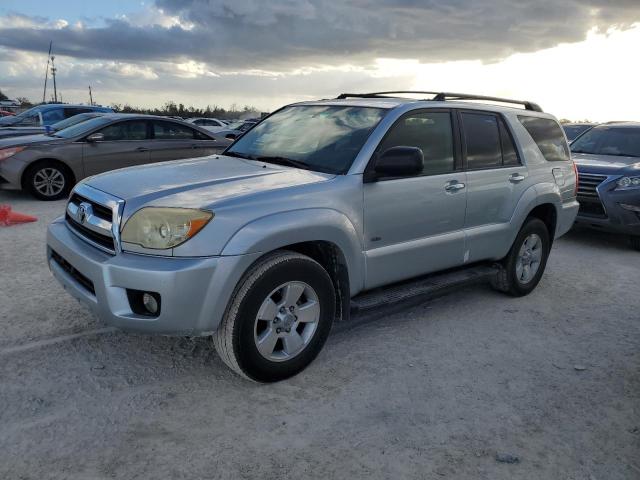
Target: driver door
415 225
125 144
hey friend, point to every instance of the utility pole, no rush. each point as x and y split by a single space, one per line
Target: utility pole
53 74
46 74
90 96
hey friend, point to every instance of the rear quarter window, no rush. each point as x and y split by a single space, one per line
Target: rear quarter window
549 137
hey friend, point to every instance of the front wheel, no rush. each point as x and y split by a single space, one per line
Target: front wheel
279 318
521 270
48 180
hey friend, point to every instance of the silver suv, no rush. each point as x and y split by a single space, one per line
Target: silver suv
310 213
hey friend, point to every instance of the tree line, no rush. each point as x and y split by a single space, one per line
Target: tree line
171 108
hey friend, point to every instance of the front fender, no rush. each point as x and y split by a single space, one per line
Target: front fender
307 225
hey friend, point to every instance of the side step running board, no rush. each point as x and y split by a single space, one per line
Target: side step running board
418 290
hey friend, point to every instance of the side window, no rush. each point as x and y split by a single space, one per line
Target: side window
429 131
52 116
70 112
548 136
201 136
509 153
132 130
172 131
482 140
200 122
30 121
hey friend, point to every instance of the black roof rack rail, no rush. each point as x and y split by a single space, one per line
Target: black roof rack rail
442 96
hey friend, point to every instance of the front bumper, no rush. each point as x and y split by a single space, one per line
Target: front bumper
616 218
194 291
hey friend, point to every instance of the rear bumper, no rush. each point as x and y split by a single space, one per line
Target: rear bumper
194 292
566 217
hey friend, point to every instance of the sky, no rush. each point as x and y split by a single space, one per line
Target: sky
578 59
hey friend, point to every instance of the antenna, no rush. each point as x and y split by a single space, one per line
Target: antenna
90 96
53 74
46 73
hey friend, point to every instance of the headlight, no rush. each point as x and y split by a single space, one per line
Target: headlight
161 228
627 182
9 152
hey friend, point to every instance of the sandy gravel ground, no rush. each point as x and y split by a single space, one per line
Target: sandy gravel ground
436 391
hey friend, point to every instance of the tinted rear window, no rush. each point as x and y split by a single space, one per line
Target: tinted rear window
548 136
488 143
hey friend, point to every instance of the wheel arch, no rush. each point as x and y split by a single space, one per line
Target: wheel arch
33 164
325 235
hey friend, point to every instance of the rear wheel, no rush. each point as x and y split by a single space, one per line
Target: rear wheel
48 180
520 271
278 319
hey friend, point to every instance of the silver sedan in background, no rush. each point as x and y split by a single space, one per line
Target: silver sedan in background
48 166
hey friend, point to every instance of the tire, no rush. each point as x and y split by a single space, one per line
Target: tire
635 242
48 180
263 288
511 277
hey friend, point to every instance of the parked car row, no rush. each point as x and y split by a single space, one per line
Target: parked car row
49 165
48 114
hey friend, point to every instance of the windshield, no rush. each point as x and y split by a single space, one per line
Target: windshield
27 118
67 122
603 140
235 125
322 138
82 127
572 131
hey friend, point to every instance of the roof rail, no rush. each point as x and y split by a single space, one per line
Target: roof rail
443 96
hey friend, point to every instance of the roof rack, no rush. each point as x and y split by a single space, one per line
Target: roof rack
442 96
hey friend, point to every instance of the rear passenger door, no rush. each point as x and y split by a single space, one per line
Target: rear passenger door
125 144
172 141
496 179
414 225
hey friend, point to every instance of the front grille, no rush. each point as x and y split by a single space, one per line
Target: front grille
90 215
103 240
75 274
588 197
587 184
100 211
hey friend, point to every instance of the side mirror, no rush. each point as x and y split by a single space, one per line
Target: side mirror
230 136
95 137
399 162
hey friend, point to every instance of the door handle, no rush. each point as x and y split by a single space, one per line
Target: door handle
516 178
142 149
454 187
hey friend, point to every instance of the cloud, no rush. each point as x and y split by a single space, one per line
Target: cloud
281 35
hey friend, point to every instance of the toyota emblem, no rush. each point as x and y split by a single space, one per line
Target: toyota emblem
84 212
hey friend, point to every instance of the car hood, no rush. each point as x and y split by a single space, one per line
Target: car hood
605 164
26 140
198 182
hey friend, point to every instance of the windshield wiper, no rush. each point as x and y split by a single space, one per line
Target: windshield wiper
283 161
238 155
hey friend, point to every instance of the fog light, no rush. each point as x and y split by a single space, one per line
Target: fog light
150 303
633 208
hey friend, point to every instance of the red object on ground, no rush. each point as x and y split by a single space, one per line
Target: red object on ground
9 217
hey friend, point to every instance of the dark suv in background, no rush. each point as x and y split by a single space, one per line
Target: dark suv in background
608 161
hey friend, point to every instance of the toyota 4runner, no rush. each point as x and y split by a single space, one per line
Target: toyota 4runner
318 205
